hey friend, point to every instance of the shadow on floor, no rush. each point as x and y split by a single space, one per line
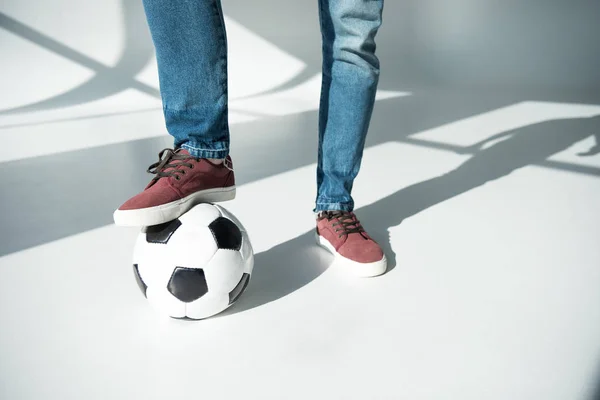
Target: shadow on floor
595 393
293 264
595 149
282 270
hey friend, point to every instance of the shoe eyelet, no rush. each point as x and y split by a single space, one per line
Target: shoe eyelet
177 177
192 166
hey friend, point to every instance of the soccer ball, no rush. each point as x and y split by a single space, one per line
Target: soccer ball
196 265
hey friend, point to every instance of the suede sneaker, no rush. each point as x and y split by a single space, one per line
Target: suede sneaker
181 182
341 233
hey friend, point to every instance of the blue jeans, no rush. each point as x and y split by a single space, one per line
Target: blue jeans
191 50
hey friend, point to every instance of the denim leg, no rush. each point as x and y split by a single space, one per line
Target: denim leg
350 77
191 51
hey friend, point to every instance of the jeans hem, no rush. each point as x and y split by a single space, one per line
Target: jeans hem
200 152
333 207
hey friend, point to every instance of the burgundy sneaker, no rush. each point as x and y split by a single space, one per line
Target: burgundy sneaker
181 182
341 233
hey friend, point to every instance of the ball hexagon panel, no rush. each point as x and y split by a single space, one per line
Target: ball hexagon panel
247 253
154 261
249 264
224 270
187 284
192 246
226 234
201 215
209 305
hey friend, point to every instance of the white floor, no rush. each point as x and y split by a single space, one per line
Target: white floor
486 206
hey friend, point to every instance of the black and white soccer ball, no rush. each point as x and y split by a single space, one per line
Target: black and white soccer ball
195 266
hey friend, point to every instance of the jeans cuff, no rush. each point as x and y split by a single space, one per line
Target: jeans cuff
200 151
333 207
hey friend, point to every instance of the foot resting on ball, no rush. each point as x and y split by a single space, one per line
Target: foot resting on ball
181 182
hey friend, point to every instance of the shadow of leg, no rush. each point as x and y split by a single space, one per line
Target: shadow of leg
282 270
524 146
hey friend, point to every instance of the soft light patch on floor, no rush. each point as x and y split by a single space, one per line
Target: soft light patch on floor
93 29
584 152
473 130
26 82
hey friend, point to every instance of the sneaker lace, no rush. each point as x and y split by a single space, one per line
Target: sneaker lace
346 222
168 161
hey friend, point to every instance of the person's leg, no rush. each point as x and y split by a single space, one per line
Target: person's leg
350 77
191 51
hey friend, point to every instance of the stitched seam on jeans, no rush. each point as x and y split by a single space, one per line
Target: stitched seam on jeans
203 149
334 204
321 198
337 204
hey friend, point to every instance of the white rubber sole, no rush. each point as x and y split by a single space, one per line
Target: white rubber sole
363 270
170 211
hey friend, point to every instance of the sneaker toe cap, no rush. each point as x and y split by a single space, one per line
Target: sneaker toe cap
366 252
147 199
